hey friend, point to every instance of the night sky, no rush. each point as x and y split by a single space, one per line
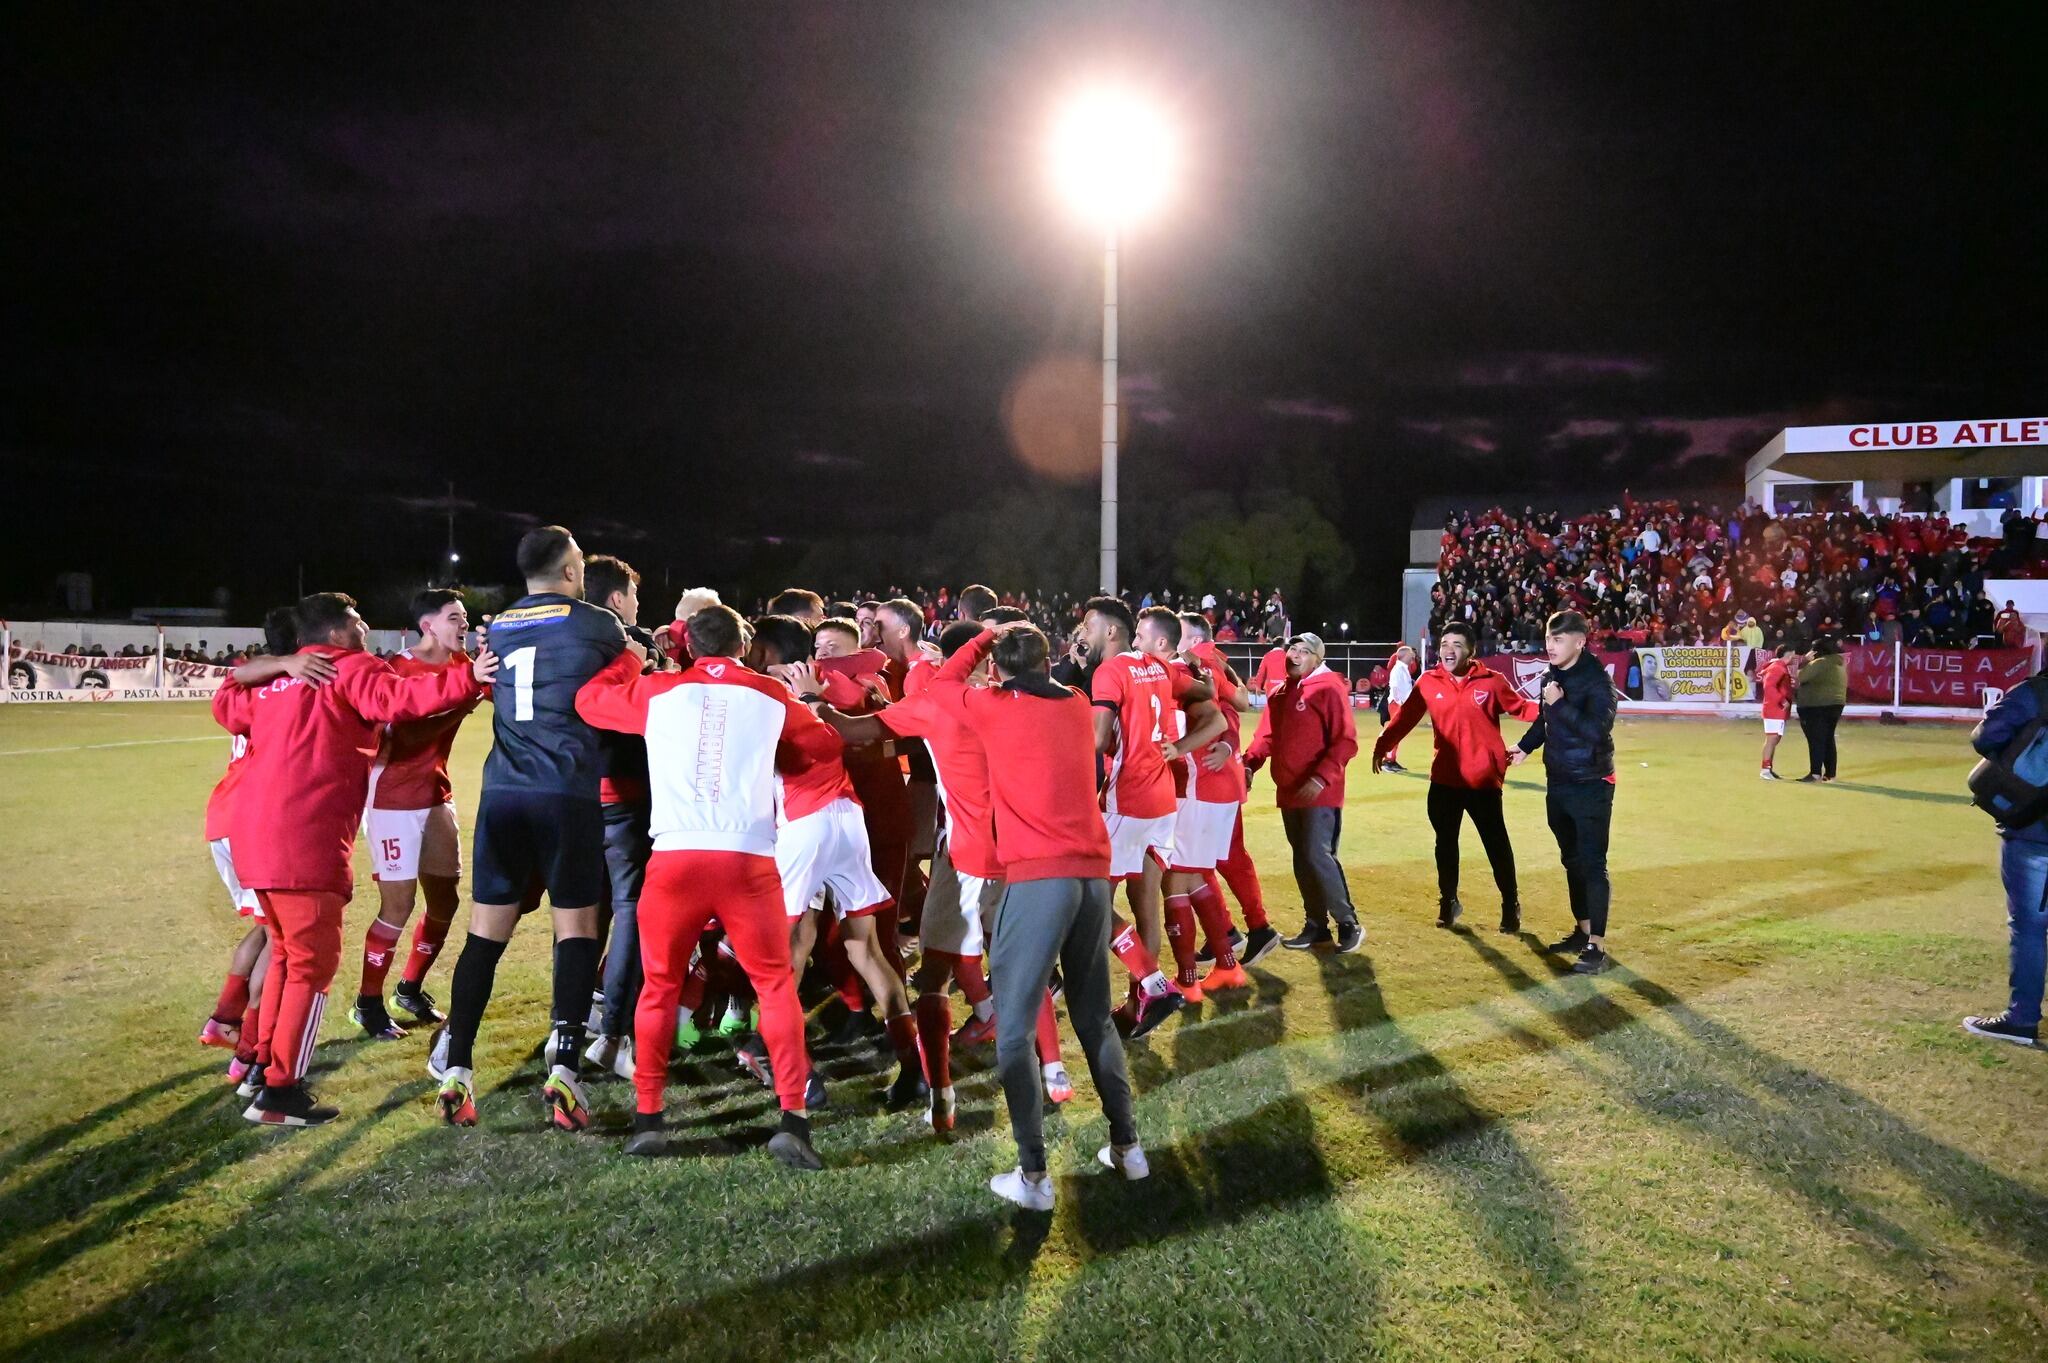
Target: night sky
712 283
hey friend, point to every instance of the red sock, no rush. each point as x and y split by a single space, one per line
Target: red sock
1208 905
690 996
1243 878
1126 947
380 944
1180 938
1048 1032
934 1013
252 1024
903 1039
427 936
973 984
233 1001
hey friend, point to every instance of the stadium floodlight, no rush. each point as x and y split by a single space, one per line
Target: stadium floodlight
454 557
1114 155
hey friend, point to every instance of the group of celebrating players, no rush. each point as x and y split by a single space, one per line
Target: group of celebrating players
714 807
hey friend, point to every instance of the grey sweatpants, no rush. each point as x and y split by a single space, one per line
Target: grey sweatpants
1312 833
1040 923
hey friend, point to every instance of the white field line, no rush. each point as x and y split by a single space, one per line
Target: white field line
125 743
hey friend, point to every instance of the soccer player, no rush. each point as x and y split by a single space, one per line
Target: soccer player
1054 850
798 603
966 884
1134 697
1464 700
539 825
1212 816
1195 725
1576 733
294 818
1310 737
237 1010
1776 680
822 844
717 734
415 846
623 793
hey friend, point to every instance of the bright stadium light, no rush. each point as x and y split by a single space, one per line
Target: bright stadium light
1114 155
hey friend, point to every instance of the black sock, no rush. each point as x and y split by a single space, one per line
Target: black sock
796 1125
469 993
647 1121
575 977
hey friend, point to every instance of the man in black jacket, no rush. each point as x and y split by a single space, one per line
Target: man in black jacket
1576 733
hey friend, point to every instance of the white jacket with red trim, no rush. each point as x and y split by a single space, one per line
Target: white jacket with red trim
717 734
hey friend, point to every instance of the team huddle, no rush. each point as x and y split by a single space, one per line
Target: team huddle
724 811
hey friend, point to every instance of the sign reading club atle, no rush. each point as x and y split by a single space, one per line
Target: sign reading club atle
1917 435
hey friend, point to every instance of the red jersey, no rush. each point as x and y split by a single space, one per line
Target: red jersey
1272 673
1226 786
222 800
1040 742
936 712
1142 694
1776 682
1464 710
293 820
412 769
876 772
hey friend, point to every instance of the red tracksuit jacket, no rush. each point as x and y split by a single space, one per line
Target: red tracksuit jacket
1308 732
293 822
1465 711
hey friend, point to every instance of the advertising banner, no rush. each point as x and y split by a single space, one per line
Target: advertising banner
1701 675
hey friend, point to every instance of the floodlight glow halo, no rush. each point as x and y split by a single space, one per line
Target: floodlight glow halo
1113 154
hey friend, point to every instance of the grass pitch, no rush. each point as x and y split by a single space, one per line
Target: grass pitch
1762 1136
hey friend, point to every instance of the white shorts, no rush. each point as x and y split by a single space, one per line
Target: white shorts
1774 726
396 836
1201 834
224 862
959 909
1130 838
828 849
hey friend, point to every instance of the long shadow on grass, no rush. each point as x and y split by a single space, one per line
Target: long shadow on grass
164 1313
56 1138
1815 1136
1938 797
1418 1107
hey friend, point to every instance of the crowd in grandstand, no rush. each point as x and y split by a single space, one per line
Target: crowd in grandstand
1655 572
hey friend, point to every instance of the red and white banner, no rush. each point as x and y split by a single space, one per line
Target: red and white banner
1525 670
30 670
1932 676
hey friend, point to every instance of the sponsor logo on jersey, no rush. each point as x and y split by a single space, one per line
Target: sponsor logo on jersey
531 615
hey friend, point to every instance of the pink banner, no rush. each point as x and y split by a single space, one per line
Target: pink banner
1934 676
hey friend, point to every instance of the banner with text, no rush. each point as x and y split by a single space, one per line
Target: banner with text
1706 674
1932 676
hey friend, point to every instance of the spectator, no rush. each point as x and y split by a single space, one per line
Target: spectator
2023 867
1823 692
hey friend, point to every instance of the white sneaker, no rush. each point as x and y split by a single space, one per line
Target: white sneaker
602 1051
1766 774
594 1024
622 1060
1059 1088
1032 1194
1130 1161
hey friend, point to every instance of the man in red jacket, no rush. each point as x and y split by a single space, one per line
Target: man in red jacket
1310 737
293 824
1464 700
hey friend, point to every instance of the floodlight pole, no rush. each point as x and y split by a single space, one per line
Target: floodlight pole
1109 413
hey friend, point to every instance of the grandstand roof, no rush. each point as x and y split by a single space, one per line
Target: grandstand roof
1908 450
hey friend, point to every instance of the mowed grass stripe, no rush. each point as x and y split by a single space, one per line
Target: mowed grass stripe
1761 1137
